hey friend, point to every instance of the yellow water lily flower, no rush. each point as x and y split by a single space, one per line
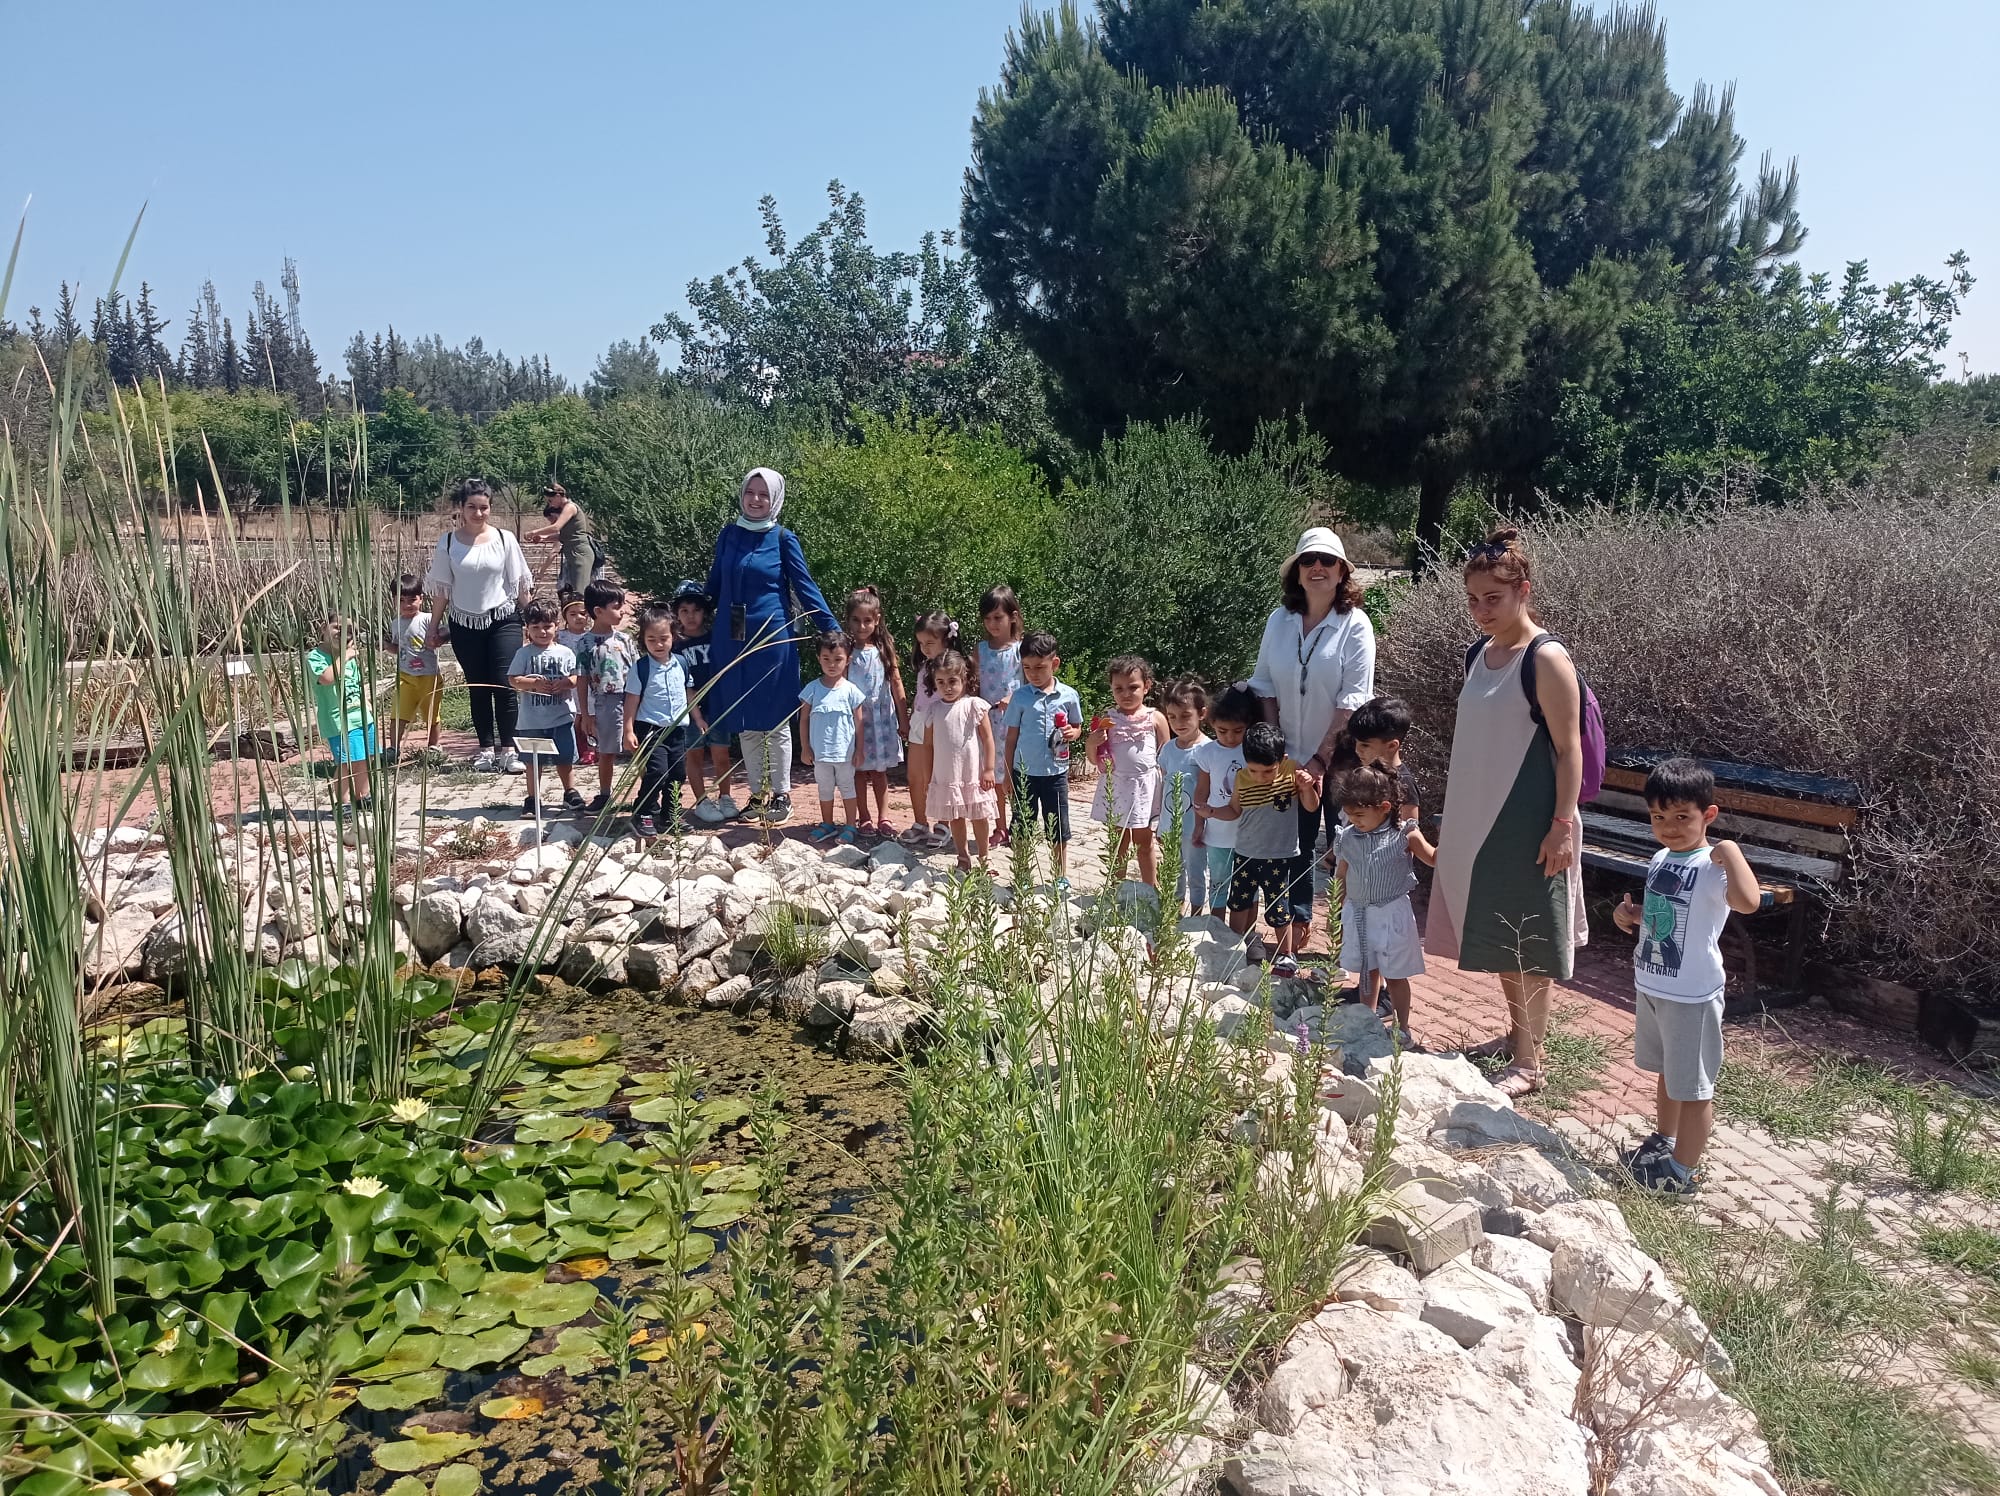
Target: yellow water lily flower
365 1185
162 1464
166 1343
410 1109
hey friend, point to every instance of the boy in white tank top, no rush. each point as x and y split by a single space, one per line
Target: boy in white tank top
1691 886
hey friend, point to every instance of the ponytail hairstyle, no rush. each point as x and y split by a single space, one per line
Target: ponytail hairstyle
884 641
946 628
1002 598
1502 556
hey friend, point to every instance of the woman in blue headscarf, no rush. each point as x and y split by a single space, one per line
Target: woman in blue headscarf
762 590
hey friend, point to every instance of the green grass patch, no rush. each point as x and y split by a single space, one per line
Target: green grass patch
1973 1249
1573 1061
1818 1104
1975 1367
1805 1322
1940 1140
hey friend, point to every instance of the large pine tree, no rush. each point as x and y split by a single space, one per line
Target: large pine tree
1412 221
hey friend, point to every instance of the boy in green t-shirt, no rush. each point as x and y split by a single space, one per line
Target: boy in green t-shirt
346 721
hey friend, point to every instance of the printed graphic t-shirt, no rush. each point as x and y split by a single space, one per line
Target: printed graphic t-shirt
541 710
1269 825
415 653
1679 954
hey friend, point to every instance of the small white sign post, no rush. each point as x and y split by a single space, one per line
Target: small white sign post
536 748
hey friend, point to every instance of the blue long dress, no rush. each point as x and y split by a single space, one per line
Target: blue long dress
756 685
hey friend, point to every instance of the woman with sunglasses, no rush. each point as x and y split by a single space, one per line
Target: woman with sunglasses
582 561
1314 667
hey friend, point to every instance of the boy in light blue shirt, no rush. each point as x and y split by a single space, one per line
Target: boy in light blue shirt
1043 718
656 715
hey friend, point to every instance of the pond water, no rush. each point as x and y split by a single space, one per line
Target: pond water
845 1114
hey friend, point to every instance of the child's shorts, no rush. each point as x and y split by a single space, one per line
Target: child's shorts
418 698
1381 937
1046 797
563 735
1269 876
355 746
835 781
1679 1042
1221 869
609 718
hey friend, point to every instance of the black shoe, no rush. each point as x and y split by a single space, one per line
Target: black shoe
599 803
529 806
1665 1176
645 827
778 811
1652 1148
573 800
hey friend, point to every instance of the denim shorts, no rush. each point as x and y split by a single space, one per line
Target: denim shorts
563 735
355 746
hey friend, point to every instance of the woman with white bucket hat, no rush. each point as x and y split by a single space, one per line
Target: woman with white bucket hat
1316 664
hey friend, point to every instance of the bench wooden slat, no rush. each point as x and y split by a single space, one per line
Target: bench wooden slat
1738 827
1631 836
1758 778
1804 811
1609 859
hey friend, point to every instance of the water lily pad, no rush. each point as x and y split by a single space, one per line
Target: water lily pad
464 1352
410 1352
596 1132
404 1392
589 1267
724 1210
554 1304
510 1409
423 1449
407 1485
577 1351
456 1480
568 1054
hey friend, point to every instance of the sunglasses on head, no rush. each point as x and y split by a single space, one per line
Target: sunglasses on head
1318 558
1487 550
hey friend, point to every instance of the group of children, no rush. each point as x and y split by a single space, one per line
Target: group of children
1213 771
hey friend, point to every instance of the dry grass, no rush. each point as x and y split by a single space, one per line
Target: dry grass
1853 638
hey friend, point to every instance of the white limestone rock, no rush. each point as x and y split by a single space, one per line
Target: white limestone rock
1521 1263
1469 1303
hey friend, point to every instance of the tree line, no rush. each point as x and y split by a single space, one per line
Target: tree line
1475 252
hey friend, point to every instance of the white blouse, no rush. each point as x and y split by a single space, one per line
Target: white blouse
481 579
1313 676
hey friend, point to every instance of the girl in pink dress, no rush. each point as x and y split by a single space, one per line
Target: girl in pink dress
962 757
935 633
1128 793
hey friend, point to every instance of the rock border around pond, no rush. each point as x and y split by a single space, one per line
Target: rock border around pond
1497 1331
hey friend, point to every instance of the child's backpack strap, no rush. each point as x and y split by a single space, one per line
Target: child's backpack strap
644 670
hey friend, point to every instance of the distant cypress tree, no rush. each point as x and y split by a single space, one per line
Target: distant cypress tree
154 359
229 360
197 362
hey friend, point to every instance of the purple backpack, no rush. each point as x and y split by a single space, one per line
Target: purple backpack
1590 717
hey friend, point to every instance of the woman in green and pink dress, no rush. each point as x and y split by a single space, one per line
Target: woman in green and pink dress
1508 895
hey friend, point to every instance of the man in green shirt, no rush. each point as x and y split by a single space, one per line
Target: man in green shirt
346 721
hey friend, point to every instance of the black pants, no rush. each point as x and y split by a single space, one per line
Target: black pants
484 655
665 770
1302 865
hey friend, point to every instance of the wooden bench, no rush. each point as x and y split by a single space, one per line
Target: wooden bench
1793 829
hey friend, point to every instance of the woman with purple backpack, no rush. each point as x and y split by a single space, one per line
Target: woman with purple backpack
1508 895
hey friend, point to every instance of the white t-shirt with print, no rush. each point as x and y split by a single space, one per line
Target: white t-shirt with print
1221 764
1679 954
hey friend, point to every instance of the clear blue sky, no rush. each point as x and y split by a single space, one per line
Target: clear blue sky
551 176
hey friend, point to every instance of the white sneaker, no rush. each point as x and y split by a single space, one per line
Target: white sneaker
510 762
485 761
708 811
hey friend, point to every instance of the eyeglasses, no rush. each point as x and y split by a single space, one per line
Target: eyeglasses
1318 558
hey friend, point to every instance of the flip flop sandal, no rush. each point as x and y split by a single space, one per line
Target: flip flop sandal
1516 1081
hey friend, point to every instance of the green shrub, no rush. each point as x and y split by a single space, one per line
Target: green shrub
1171 550
931 516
